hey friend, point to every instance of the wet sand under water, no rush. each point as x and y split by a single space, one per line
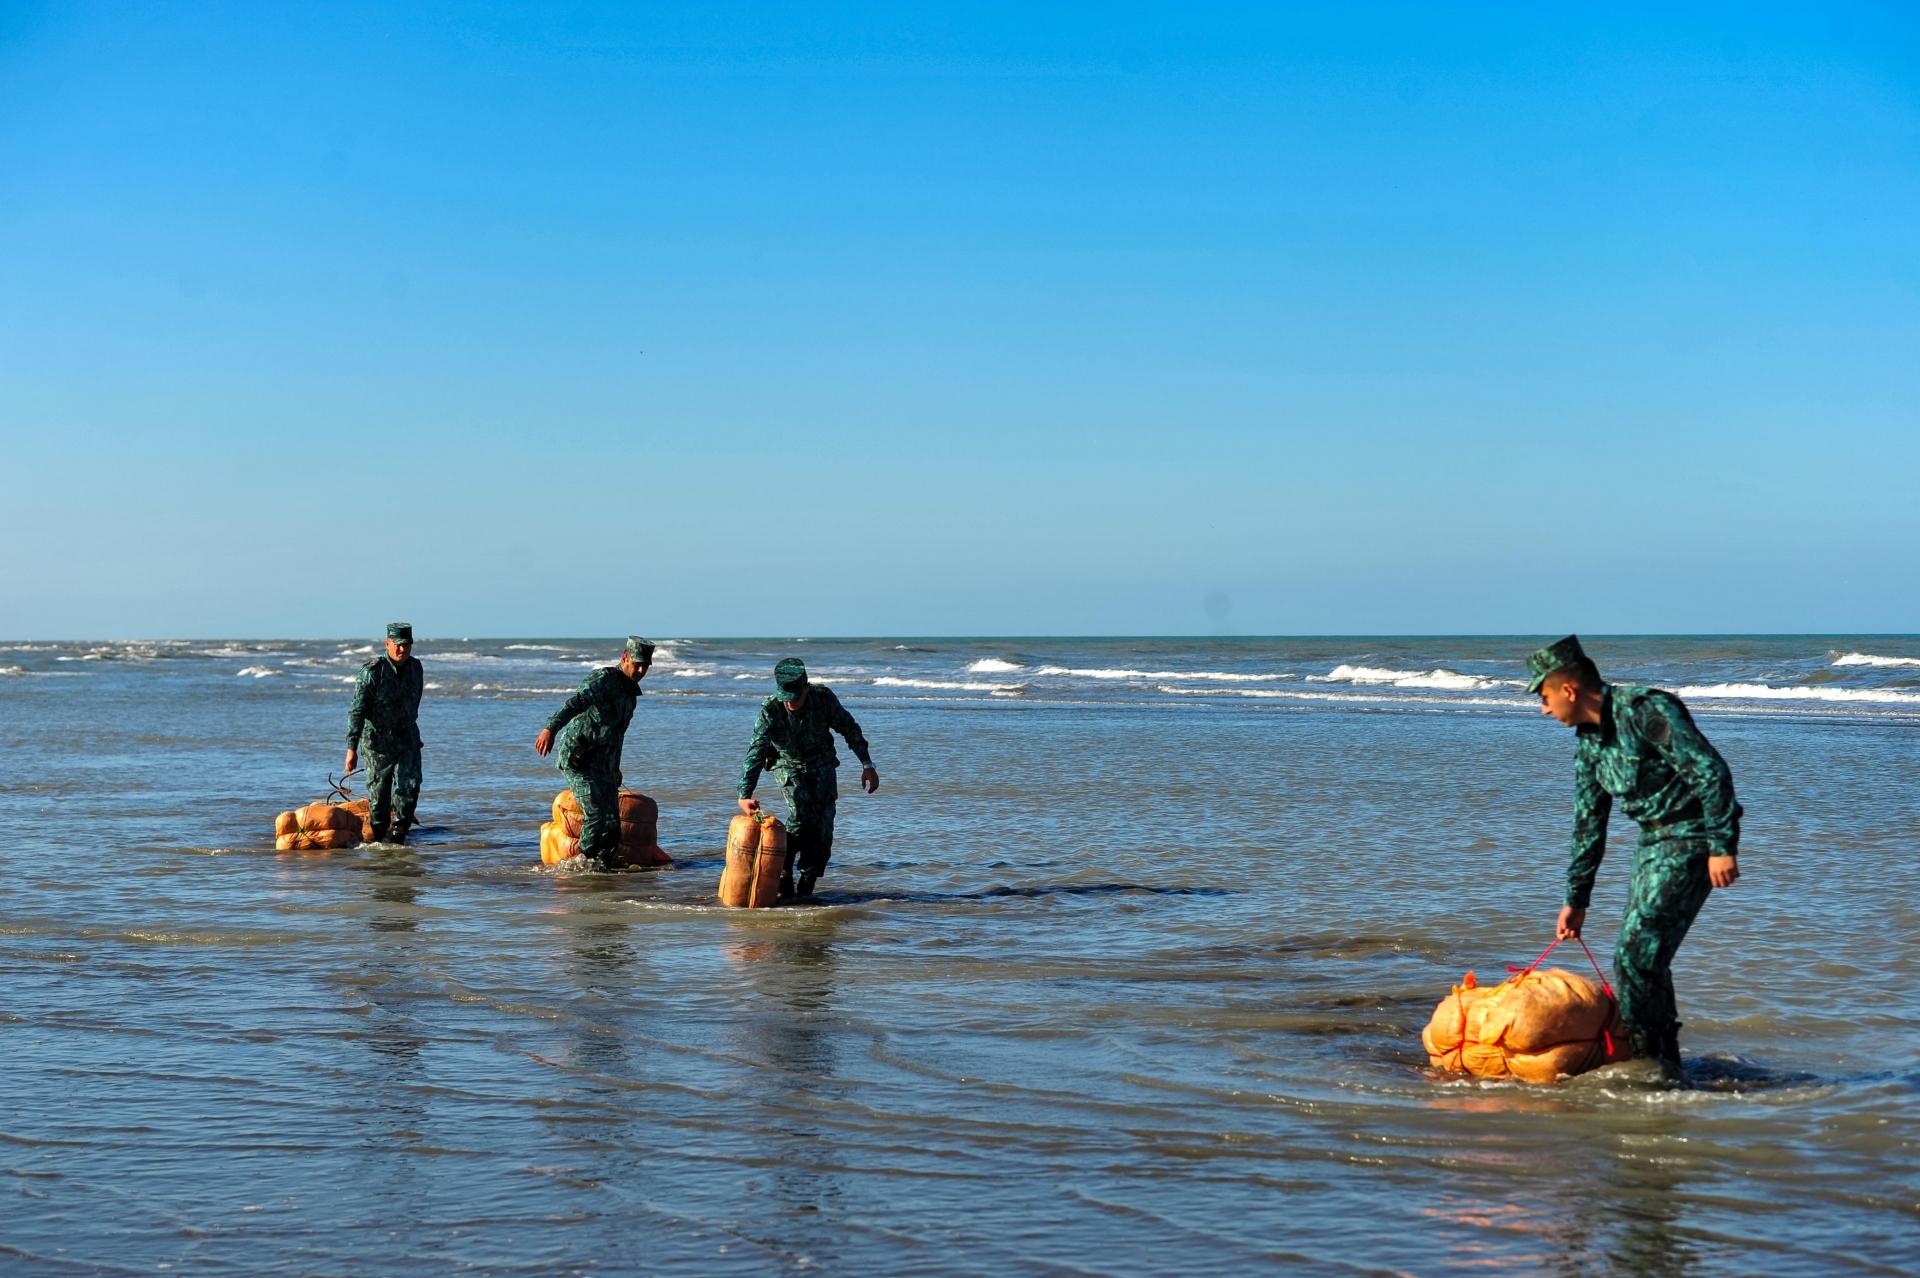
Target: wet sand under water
1117 988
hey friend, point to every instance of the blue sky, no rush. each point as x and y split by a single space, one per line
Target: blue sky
876 319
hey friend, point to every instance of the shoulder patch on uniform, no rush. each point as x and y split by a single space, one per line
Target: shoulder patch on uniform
1653 722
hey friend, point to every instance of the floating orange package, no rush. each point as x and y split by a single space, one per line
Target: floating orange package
1535 1026
323 825
756 858
639 847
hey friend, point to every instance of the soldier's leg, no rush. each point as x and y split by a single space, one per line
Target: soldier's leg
812 799
1669 887
380 770
406 793
599 795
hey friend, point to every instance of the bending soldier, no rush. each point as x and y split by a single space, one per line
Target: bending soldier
1640 746
592 727
385 721
794 736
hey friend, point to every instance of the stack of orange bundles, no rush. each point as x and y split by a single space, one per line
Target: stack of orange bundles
639 833
322 826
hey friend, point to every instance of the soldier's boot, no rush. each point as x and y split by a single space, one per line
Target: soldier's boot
400 830
786 882
804 888
378 834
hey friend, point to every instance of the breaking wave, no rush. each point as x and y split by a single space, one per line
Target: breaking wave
1439 680
532 647
888 681
1767 692
12 670
1869 659
258 672
993 665
1344 698
1101 672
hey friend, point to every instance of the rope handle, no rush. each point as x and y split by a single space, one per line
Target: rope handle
1519 974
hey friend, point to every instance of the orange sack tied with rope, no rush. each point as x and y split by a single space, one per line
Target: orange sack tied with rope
639 833
1534 1026
322 826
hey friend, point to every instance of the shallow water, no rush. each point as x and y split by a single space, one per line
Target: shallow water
1108 978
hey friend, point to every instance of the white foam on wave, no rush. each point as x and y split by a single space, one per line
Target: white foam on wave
1344 698
532 647
1440 680
694 672
1869 659
258 672
942 685
1767 692
501 687
1102 672
748 675
993 665
12 670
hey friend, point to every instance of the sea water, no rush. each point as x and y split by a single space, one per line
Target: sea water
1121 972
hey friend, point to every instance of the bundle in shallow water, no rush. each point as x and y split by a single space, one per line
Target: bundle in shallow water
322 826
1535 1026
756 858
639 847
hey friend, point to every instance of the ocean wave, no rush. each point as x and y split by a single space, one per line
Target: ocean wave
993 665
532 647
12 670
1344 698
258 672
1767 692
1440 680
749 675
1102 672
693 672
501 687
1869 659
941 685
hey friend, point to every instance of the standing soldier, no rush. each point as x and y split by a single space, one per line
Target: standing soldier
386 721
794 736
1639 745
593 728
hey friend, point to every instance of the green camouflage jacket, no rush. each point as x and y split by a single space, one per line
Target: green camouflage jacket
594 721
386 706
1647 752
791 743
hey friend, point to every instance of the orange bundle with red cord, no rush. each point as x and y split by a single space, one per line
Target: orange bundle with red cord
322 826
1534 1026
756 858
639 846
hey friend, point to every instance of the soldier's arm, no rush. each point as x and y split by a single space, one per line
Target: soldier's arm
582 700
1664 721
759 754
843 723
1591 805
416 688
357 717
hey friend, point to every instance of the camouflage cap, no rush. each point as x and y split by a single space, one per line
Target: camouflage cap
1555 656
400 631
790 676
639 649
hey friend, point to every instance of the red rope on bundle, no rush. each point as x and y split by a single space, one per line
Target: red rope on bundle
1519 972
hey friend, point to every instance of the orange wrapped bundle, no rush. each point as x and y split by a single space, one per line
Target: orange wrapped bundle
639 833
322 826
1535 1026
756 858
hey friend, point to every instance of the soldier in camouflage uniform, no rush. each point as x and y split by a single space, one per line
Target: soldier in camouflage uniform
592 727
1639 745
794 736
385 722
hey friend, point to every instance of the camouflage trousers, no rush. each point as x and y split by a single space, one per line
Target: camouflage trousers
1669 886
598 791
393 790
811 797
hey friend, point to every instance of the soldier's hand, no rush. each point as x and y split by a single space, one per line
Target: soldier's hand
353 757
749 806
869 779
543 744
1567 926
1723 871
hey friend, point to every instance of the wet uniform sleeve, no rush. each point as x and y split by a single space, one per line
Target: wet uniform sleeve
760 753
416 688
357 716
1666 724
841 722
579 703
1591 804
